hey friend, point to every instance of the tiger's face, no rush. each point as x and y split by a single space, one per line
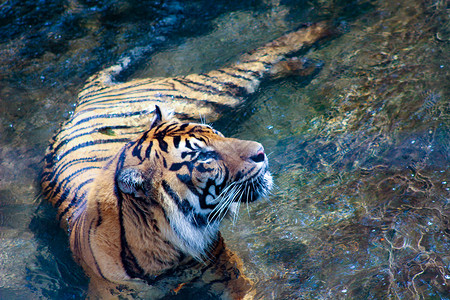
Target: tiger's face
196 175
212 170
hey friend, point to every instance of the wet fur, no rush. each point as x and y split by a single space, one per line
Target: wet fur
116 185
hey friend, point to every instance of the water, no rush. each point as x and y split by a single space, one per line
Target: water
359 151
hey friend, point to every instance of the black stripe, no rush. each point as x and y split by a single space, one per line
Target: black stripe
177 166
188 145
113 103
232 88
69 138
176 141
67 181
183 126
97 82
192 154
202 197
186 179
201 168
91 84
265 64
62 197
200 138
170 128
64 135
50 190
109 127
160 136
110 116
163 144
76 200
148 150
253 73
204 88
138 146
129 261
108 96
171 193
217 106
53 177
93 143
234 75
61 185
198 220
78 210
90 248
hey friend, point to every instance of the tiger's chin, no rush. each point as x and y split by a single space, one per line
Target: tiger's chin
263 186
255 190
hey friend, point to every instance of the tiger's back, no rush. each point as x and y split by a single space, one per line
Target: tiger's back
111 115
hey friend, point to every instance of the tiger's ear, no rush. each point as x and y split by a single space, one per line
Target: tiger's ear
131 181
160 117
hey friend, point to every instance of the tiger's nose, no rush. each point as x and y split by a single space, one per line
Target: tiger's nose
259 156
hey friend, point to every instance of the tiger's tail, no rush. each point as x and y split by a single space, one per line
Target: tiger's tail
275 50
246 74
269 59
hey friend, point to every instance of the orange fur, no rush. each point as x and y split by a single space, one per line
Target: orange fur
143 203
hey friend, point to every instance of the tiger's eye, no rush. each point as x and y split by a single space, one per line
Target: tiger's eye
206 155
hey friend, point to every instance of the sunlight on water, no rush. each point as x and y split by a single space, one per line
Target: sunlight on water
359 150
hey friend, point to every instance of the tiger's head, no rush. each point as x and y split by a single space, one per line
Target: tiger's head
195 174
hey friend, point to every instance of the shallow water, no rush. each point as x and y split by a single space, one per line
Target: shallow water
359 151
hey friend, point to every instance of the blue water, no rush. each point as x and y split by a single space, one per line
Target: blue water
359 151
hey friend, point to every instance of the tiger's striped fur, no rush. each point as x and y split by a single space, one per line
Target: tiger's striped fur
140 201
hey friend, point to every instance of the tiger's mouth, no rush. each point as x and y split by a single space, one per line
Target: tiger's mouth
244 191
255 188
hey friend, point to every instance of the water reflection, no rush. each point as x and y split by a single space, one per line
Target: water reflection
362 185
360 151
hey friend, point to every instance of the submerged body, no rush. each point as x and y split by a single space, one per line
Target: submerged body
142 193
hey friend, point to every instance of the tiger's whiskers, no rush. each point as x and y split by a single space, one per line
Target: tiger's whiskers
226 198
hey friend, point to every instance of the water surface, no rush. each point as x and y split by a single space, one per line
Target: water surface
359 151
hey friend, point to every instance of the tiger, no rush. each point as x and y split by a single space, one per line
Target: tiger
141 186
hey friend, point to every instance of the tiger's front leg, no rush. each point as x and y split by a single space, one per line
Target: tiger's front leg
221 275
100 289
230 267
224 276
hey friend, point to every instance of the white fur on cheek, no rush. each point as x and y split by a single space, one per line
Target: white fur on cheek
192 240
